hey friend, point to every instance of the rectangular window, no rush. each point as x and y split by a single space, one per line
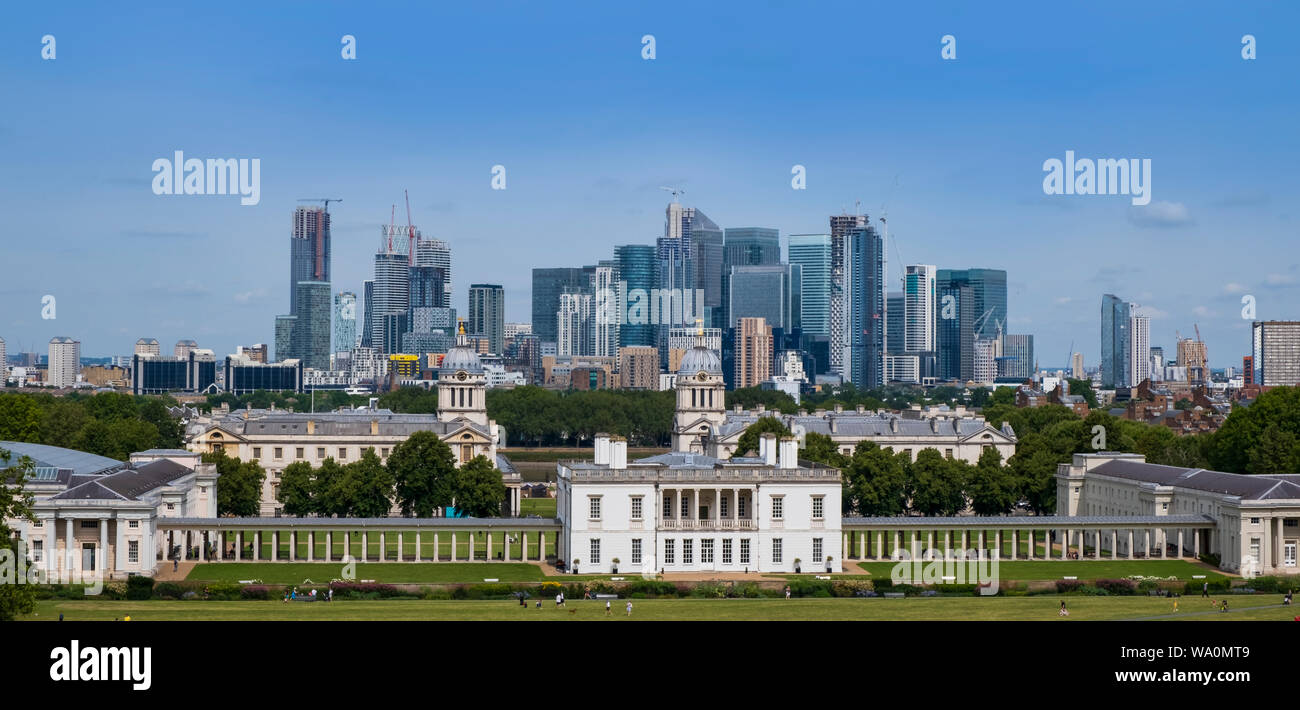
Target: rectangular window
778 508
722 507
726 551
818 506
593 507
817 550
38 550
385 452
38 524
686 507
947 453
687 551
740 507
706 551
776 550
257 452
636 507
595 551
668 552
668 506
636 551
744 551
171 506
133 551
299 452
279 452
320 452
90 524
343 453
133 524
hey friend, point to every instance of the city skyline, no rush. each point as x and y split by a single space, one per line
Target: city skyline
955 163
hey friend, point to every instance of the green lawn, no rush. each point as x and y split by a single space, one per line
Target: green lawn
544 507
391 572
1083 569
1041 608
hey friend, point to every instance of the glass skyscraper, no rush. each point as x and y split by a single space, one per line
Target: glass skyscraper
770 292
309 263
311 330
548 284
1116 345
978 309
812 253
864 276
637 272
487 315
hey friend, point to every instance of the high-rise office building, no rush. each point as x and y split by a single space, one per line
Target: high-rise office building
487 315
839 340
345 321
1275 353
919 290
4 363
753 352
309 262
437 254
310 340
184 347
1139 366
770 292
986 354
638 273
574 322
605 309
548 284
64 362
812 253
368 317
192 373
638 367
391 297
979 302
895 310
864 295
1116 342
284 327
745 246
1076 365
1017 358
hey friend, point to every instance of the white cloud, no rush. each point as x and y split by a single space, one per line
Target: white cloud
249 296
1160 215
1233 287
1062 300
1203 312
1279 279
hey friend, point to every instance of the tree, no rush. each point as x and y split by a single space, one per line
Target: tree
749 440
875 481
990 487
822 449
239 485
934 485
297 489
170 436
424 474
1275 451
16 504
479 491
371 485
1084 389
20 418
333 498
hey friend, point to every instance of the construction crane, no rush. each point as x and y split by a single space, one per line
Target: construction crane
326 200
675 191
410 231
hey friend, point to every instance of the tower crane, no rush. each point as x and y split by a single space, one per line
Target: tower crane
326 200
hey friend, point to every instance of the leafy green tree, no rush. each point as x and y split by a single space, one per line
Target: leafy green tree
239 485
751 397
1084 389
822 449
424 474
154 411
1003 396
111 406
1229 449
371 485
333 496
297 489
934 484
15 504
20 418
62 422
875 481
749 440
990 486
1275 451
1034 471
479 491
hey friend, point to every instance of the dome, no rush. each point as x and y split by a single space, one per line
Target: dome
700 358
461 356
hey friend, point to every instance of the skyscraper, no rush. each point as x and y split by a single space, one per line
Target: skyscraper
753 348
839 345
1139 365
437 254
368 319
638 273
745 246
864 295
548 284
919 289
1017 356
1275 353
284 327
812 253
487 315
310 341
983 310
64 363
574 324
770 292
605 309
345 321
1116 344
1076 365
391 295
309 262
895 318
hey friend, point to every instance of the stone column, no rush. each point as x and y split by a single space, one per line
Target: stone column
400 556
1180 543
488 556
1196 542
981 552
471 545
998 535
293 545
1030 548
329 544
383 544
365 544
523 545
541 546
69 558
417 545
1266 547
1130 544
880 545
929 540
1015 543
101 554
119 546
275 544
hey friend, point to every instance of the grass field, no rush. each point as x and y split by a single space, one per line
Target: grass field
1043 608
544 507
1083 569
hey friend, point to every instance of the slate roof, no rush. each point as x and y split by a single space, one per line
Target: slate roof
865 425
127 484
1243 486
338 423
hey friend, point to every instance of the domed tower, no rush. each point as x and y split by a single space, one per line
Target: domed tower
462 384
701 405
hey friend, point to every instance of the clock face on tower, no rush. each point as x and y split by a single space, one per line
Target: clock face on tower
703 376
462 375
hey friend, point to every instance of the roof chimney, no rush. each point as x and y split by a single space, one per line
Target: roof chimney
617 453
602 449
767 448
862 408
789 452
839 409
311 426
374 427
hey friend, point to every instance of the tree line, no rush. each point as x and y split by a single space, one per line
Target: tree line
109 424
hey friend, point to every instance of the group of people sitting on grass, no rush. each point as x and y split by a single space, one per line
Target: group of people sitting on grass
293 596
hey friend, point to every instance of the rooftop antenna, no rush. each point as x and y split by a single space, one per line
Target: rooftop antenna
675 192
410 231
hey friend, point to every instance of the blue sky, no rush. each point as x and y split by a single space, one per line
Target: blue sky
559 94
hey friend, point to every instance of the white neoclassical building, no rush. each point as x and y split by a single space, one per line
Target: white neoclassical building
97 517
1254 521
277 438
703 424
683 512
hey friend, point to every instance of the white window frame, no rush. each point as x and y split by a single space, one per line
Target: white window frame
669 551
637 507
778 507
593 507
594 551
817 551
819 507
133 551
778 550
706 551
688 551
744 551
726 550
636 550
